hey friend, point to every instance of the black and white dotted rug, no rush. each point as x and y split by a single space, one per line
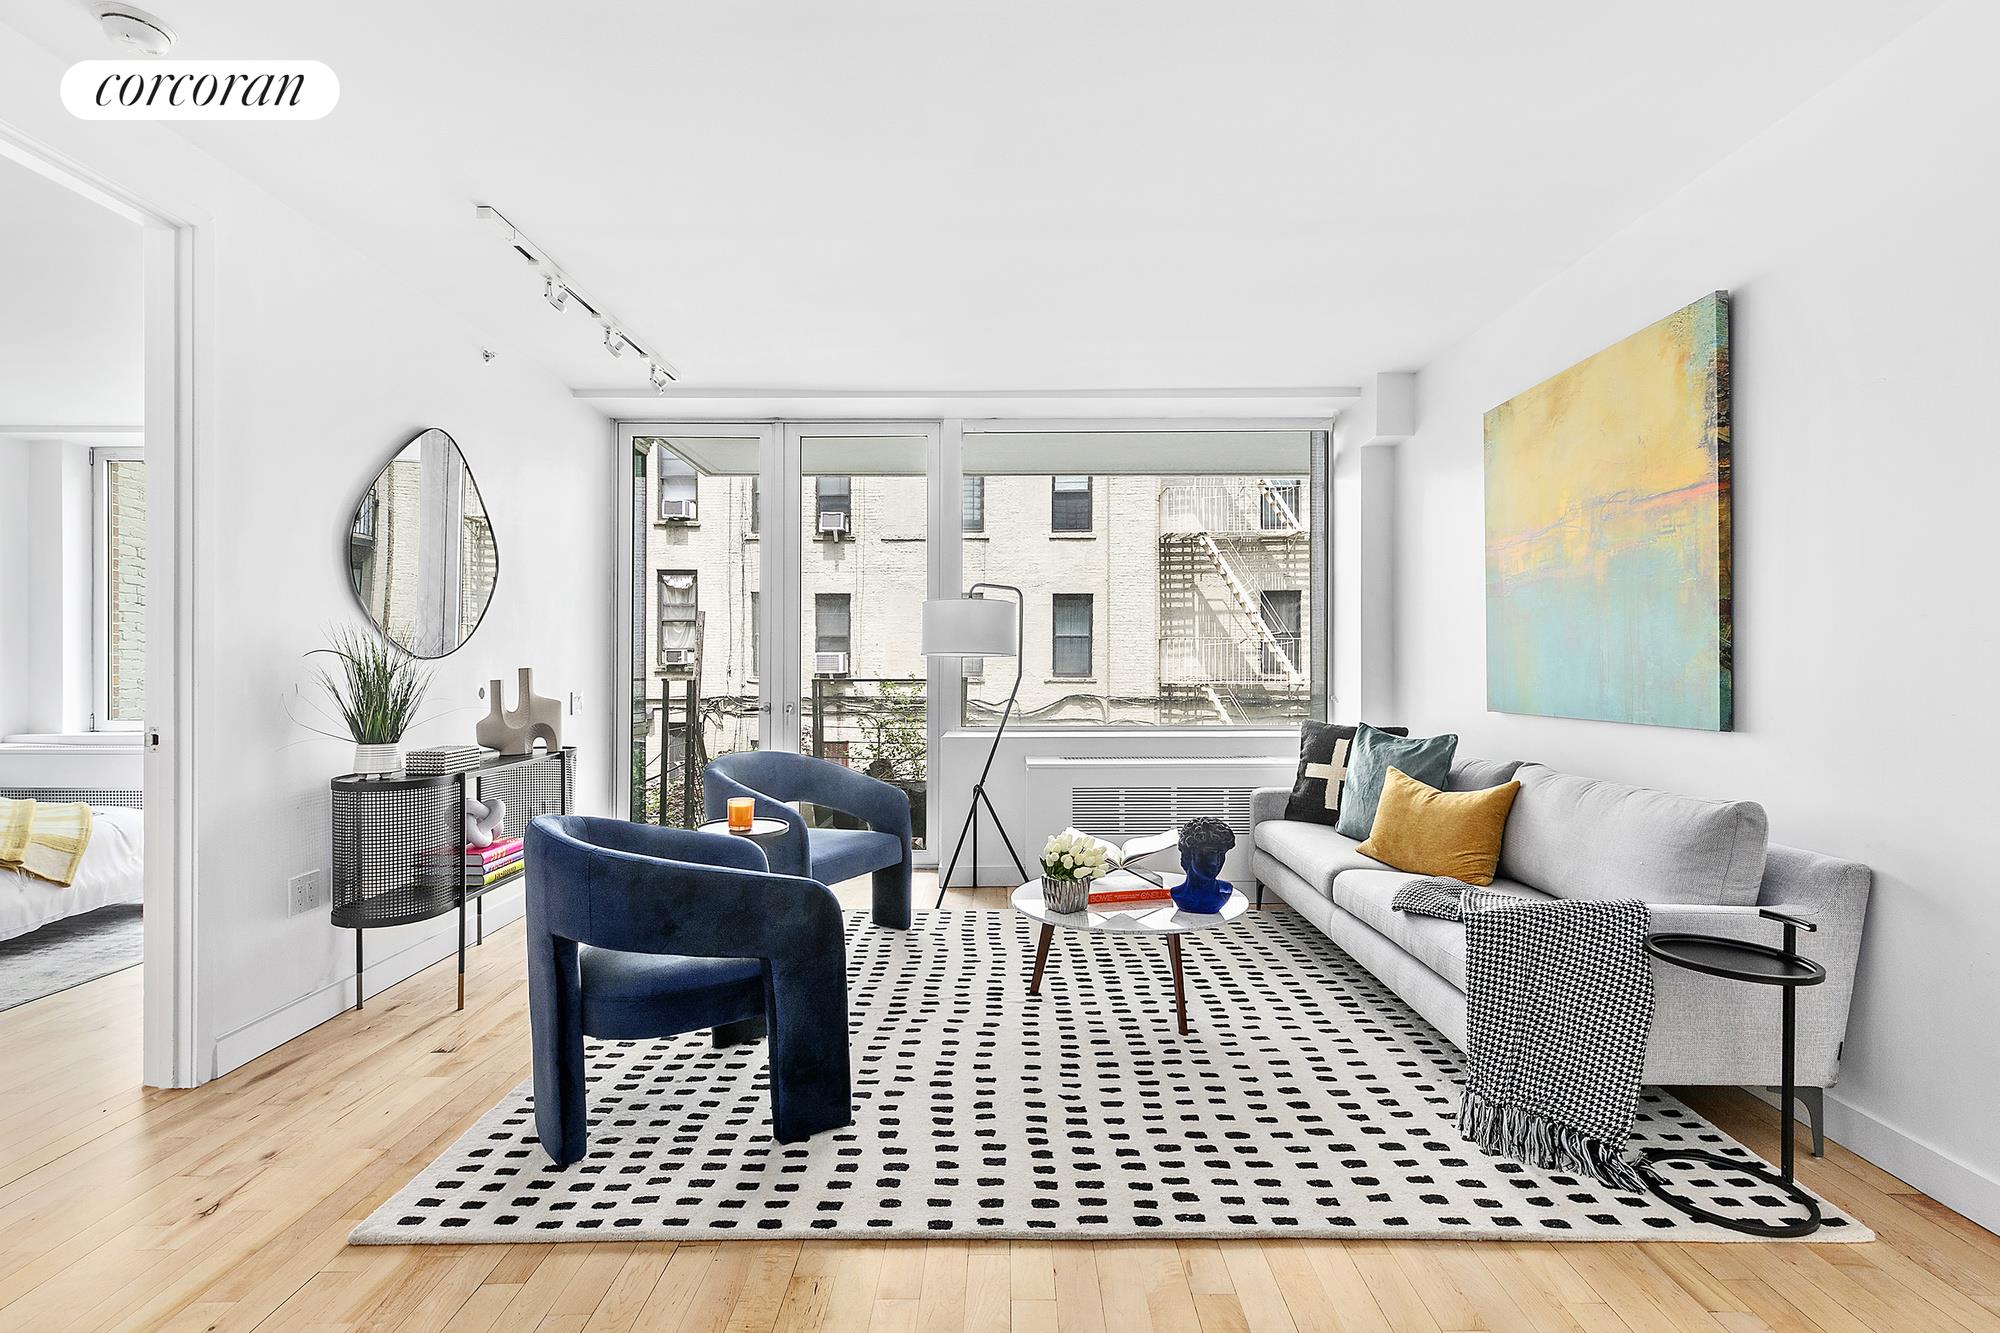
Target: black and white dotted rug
1307 1101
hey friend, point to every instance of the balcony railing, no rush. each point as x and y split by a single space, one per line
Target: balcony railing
1215 660
1245 506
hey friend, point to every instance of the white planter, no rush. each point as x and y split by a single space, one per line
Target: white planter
378 758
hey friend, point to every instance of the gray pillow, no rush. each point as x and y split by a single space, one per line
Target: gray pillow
1577 837
1425 758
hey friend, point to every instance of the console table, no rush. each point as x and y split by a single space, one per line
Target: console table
399 842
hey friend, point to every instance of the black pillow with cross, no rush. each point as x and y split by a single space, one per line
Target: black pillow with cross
1323 748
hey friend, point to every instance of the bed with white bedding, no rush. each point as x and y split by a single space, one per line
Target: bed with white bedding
113 871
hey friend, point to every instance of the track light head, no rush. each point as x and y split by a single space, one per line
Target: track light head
657 373
614 341
554 292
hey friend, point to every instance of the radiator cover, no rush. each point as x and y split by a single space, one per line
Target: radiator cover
1116 799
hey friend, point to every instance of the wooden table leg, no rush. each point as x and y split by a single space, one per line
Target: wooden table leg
1180 987
1041 959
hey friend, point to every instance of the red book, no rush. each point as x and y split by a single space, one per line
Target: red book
1118 897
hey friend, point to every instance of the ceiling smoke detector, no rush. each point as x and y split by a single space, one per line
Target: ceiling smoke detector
135 28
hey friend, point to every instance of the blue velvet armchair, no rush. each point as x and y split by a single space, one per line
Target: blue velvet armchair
829 855
636 931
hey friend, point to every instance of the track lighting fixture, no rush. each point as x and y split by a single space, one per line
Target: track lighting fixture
558 290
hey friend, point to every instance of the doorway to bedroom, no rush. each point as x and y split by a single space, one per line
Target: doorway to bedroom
73 599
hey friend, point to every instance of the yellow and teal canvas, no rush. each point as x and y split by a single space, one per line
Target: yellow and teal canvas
1607 533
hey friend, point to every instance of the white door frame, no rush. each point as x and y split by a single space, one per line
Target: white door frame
168 738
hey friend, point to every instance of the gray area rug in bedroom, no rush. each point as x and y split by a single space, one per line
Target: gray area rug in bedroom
1308 1101
70 952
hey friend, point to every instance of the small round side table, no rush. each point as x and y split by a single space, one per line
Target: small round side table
759 831
1760 965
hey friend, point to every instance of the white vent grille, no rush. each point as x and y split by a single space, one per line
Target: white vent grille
1124 812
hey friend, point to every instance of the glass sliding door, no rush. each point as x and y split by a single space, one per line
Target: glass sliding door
698 686
863 571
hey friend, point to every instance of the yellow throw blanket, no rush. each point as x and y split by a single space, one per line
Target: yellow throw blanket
45 841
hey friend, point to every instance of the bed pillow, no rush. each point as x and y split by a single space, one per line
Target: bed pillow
1425 758
1323 755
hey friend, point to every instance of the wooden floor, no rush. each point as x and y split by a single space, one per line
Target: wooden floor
228 1207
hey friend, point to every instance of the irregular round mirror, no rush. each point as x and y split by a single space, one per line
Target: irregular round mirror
421 552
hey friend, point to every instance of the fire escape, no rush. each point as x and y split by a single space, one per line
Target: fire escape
1222 545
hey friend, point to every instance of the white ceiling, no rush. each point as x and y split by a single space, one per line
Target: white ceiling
934 195
71 312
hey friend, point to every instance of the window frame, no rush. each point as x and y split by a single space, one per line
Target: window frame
1293 490
971 500
101 459
846 600
1057 638
660 496
660 604
1056 490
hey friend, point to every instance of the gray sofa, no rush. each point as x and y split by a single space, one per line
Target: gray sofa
1702 866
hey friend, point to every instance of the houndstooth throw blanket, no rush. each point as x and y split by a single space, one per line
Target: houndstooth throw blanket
1559 1003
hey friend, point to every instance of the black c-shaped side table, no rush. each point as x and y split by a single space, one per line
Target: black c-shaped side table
1761 965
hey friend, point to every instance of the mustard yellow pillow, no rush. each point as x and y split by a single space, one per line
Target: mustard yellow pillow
1430 832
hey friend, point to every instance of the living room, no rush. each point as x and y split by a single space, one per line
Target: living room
1464 507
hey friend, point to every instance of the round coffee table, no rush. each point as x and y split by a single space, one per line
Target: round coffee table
1161 919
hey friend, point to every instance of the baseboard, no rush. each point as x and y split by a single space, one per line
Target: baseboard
438 941
1963 1188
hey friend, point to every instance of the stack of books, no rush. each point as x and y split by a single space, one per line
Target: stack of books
489 865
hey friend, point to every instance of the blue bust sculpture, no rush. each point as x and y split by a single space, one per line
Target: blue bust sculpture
1204 843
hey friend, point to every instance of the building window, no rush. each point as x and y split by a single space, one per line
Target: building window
679 617
678 489
1071 656
756 507
833 502
756 634
1069 504
972 504
1278 504
1281 610
832 616
119 645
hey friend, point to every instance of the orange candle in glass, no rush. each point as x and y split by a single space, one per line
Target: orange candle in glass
742 809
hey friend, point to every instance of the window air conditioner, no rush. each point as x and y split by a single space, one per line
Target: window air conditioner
676 657
829 664
832 523
677 511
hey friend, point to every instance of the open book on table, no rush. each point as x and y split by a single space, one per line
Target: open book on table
1140 856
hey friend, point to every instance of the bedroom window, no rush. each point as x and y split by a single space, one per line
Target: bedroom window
118 638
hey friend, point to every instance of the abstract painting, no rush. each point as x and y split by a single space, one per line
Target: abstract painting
1607 533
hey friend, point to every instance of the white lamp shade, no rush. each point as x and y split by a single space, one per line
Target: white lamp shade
970 627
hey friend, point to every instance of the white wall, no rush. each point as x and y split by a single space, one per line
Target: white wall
14 590
1857 239
314 366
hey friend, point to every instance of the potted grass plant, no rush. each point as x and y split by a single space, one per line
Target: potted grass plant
377 690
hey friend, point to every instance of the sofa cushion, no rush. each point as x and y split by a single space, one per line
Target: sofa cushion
1323 746
1313 852
1469 774
1436 943
1577 837
1432 832
1425 758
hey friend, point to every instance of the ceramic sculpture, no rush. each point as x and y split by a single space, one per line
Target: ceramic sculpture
484 820
515 730
1204 844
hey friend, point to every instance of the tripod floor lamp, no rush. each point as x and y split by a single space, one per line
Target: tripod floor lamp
975 627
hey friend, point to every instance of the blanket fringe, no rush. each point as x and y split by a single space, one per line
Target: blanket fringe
1533 1138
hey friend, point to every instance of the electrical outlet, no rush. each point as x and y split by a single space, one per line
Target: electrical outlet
303 893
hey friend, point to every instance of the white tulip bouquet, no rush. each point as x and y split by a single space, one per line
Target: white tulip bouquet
1070 860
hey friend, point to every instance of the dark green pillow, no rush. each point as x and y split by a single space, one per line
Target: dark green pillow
1374 753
